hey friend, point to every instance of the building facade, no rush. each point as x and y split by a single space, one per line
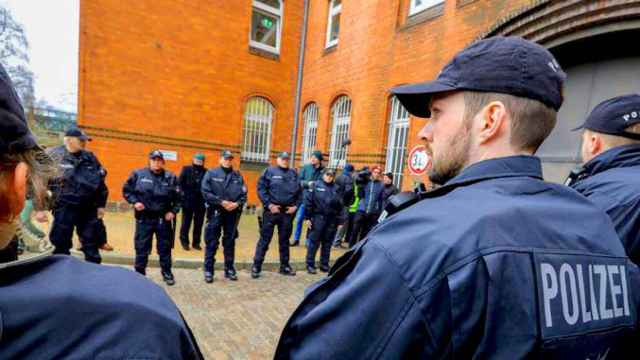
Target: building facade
203 75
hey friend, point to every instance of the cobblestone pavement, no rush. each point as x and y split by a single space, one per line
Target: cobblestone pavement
236 320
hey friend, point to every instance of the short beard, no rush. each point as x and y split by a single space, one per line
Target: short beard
455 160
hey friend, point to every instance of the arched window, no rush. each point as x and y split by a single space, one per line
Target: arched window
341 118
397 140
266 25
258 117
309 136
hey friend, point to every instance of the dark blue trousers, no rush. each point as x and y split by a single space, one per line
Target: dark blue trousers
220 222
284 222
145 229
84 220
323 232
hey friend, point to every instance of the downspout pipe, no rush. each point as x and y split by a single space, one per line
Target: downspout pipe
296 110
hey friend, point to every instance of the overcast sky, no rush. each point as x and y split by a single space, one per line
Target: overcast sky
52 28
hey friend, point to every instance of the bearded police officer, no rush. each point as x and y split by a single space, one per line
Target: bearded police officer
225 194
190 182
281 194
610 176
323 208
57 307
153 192
495 263
79 196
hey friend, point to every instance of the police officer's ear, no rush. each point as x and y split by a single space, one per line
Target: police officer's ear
592 144
13 191
492 122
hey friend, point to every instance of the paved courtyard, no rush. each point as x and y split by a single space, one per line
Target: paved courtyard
236 320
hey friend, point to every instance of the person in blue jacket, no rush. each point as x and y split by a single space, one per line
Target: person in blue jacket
610 175
58 307
495 263
225 194
281 194
371 204
323 207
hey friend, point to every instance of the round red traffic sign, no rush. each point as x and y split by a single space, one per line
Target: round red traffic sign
419 160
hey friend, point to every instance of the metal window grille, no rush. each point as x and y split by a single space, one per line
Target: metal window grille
341 115
257 130
310 134
397 141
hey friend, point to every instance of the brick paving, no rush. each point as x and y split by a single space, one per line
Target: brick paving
236 320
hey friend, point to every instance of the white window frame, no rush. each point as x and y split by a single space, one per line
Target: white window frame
268 10
333 10
397 141
341 121
256 130
415 8
310 134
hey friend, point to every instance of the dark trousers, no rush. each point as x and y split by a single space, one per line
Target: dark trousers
189 214
322 233
350 224
145 229
220 222
363 223
284 222
9 253
83 219
101 233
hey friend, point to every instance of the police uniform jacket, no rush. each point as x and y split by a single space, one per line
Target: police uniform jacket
496 264
81 181
158 192
279 186
219 185
611 180
322 199
190 183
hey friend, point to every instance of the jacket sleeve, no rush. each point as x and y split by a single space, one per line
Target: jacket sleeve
176 196
300 196
182 179
129 189
389 323
243 198
102 193
263 189
208 193
308 203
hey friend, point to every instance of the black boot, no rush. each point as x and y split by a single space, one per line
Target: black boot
168 278
311 270
208 277
287 270
231 274
255 272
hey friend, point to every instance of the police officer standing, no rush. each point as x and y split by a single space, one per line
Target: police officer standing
79 196
153 191
190 182
280 192
610 175
323 207
495 263
225 194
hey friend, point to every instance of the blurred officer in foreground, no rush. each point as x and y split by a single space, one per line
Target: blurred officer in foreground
496 263
190 183
610 176
323 207
79 197
57 307
153 192
225 194
308 174
280 192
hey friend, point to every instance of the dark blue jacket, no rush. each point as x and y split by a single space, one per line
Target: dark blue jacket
372 197
81 181
190 184
279 186
496 264
158 192
611 180
58 307
219 185
322 199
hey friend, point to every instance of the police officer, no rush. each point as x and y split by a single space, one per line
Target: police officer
280 192
496 263
610 174
323 207
79 196
308 175
193 209
225 194
345 187
153 191
58 307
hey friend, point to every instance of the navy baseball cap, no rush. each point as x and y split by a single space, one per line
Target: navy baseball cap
15 135
227 154
506 65
156 154
75 132
284 155
613 116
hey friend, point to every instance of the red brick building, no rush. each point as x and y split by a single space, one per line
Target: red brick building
195 75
